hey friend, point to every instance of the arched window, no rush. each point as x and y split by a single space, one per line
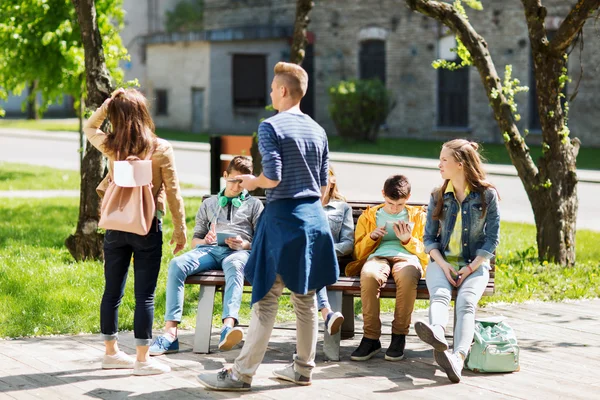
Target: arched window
372 59
452 89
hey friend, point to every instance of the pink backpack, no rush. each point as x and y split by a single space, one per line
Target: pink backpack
128 204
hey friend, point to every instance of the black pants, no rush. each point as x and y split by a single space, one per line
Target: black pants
147 253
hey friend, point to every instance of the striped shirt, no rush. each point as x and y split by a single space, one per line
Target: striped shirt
295 152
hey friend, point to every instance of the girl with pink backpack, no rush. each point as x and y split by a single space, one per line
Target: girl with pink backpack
141 176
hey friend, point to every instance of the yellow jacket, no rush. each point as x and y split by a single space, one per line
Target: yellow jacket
364 246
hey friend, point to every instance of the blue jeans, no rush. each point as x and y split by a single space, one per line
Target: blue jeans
147 252
322 299
206 258
469 293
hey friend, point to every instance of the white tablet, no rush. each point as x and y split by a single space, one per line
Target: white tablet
221 236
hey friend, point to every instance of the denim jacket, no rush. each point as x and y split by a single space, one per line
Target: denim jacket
480 234
339 215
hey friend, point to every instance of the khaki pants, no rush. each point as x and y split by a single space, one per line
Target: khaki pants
261 326
373 275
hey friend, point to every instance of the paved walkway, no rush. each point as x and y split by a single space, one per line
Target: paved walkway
560 358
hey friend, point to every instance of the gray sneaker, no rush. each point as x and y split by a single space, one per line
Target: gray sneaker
289 374
223 381
451 363
432 335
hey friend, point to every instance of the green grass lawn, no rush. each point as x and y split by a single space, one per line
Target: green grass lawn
41 124
43 291
32 177
589 158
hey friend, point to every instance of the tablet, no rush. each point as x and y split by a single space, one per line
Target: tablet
221 236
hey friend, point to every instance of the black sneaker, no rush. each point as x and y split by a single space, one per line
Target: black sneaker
367 349
396 350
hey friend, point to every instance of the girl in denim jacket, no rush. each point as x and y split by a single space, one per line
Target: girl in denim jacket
461 235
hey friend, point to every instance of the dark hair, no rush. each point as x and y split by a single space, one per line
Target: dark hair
396 187
467 153
132 132
241 164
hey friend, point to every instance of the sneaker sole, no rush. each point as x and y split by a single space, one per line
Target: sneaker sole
390 358
365 358
287 378
116 366
231 340
441 358
335 326
208 386
144 373
164 352
427 335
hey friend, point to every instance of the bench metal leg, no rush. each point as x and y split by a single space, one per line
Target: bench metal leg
206 303
348 313
331 344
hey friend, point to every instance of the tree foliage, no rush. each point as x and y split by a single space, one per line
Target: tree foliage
41 42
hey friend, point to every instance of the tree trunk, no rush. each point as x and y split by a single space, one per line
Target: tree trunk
303 8
551 186
32 105
554 200
86 243
299 41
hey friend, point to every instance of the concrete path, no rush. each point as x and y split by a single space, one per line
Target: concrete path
560 357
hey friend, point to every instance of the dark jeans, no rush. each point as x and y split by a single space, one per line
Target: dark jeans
147 252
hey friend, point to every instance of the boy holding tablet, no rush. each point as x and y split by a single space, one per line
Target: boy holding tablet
388 240
222 240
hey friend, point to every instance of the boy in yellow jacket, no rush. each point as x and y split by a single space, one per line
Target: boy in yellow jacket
389 239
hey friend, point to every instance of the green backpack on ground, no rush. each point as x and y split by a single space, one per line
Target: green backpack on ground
495 347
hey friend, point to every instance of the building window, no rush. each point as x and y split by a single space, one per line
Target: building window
452 88
162 102
249 80
453 98
372 60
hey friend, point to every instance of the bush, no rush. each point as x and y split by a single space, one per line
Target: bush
358 108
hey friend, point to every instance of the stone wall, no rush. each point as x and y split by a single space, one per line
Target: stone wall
411 46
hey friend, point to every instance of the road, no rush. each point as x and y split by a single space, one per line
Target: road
356 181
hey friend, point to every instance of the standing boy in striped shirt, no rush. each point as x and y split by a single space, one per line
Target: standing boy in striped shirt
292 245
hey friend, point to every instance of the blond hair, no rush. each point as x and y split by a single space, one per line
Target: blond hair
334 193
293 77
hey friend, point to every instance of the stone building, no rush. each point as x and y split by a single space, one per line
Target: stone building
383 38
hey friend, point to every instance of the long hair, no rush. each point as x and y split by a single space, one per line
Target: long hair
334 193
467 153
132 131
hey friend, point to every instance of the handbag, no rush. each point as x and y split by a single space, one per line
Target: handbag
128 204
495 347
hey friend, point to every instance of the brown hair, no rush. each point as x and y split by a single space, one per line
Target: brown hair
396 187
333 191
293 77
467 153
132 132
241 164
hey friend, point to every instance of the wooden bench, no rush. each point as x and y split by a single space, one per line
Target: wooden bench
341 297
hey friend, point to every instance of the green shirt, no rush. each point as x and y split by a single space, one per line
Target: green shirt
390 245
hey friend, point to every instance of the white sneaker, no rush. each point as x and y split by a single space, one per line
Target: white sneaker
150 367
334 322
118 361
